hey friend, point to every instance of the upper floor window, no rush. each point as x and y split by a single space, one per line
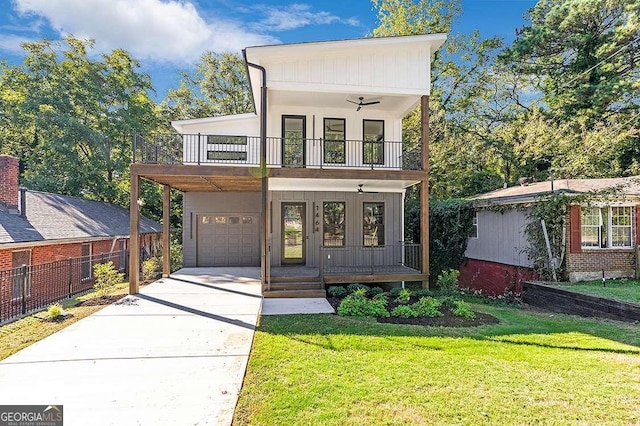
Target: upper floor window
474 225
333 224
605 227
373 224
373 141
334 140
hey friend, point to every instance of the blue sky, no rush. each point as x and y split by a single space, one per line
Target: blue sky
170 35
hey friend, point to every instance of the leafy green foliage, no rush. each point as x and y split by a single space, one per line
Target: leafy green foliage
352 288
337 291
404 311
106 276
359 306
422 292
427 307
448 282
373 291
381 296
403 296
463 309
150 268
55 310
175 252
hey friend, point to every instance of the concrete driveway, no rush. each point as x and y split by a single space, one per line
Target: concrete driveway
175 354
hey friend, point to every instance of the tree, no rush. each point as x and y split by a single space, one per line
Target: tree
70 118
218 86
584 54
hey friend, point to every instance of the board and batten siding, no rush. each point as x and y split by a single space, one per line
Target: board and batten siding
501 238
198 203
393 203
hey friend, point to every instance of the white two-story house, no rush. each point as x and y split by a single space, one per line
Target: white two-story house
311 186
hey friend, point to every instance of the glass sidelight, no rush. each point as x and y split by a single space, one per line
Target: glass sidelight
293 233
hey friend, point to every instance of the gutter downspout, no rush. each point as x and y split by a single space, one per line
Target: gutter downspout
265 270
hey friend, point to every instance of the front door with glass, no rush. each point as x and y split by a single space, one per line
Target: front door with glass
293 233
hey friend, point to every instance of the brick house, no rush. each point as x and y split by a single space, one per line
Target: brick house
39 227
602 235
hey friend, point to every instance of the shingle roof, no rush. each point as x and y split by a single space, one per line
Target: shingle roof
628 186
56 217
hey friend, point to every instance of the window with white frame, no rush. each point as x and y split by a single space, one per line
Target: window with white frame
606 227
474 226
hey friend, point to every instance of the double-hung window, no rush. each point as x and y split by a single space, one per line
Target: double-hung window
606 227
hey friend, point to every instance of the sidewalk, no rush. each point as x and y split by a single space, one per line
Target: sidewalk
175 354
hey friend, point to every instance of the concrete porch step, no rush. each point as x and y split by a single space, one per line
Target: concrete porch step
293 279
308 293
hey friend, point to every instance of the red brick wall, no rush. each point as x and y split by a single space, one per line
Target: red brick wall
493 279
9 181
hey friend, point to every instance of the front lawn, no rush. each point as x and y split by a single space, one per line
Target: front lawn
530 368
624 290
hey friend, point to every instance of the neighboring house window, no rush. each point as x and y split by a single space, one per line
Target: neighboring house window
605 227
85 262
334 140
373 224
474 226
333 214
373 141
18 259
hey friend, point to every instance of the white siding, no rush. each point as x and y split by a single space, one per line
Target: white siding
501 238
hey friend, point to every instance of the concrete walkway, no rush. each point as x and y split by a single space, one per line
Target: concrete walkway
174 355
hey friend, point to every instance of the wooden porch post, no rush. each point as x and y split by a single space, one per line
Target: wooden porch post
134 235
424 188
166 231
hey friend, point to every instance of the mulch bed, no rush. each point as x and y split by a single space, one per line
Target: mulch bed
447 320
59 318
100 301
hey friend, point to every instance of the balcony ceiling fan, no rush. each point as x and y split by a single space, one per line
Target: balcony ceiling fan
362 103
361 191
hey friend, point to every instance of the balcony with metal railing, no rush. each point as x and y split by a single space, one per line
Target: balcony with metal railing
205 149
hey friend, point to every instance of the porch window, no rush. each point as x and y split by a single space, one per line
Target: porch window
20 258
334 140
333 214
606 227
373 224
373 141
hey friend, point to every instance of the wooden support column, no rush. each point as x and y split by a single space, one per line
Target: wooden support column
166 231
424 188
134 235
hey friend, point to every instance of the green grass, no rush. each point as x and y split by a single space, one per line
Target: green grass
532 368
628 291
28 330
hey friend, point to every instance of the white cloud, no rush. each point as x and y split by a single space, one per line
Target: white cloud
297 16
170 30
12 43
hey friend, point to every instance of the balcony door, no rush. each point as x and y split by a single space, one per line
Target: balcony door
293 140
294 233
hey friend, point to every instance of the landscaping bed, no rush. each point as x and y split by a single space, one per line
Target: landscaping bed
444 308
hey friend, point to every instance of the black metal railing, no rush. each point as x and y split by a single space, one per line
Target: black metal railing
281 152
370 260
29 288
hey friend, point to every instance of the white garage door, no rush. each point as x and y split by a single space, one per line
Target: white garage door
228 239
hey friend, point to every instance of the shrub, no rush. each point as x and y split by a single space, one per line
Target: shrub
404 311
395 292
403 296
337 291
374 291
463 309
175 254
106 277
449 302
422 292
448 282
380 296
356 305
150 268
55 311
427 307
351 288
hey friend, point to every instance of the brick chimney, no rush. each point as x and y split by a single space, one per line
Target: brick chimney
9 170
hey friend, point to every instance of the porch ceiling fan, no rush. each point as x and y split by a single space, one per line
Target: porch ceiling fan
362 103
362 191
